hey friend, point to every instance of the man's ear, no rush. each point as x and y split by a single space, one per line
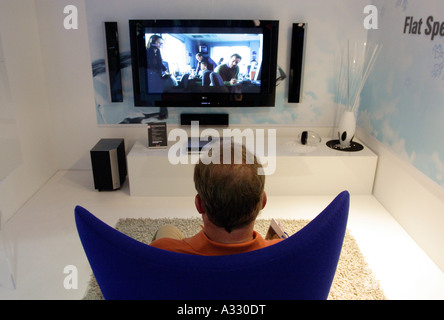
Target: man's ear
198 203
264 200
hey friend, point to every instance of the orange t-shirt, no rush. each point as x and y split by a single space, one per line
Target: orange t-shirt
200 244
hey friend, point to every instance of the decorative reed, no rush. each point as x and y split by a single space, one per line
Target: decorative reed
354 69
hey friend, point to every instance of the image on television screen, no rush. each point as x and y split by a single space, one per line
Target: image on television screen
203 62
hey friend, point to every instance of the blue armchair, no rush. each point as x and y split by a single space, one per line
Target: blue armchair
300 267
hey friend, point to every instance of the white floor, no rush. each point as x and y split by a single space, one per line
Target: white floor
43 239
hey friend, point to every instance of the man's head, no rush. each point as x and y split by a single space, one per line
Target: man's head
232 194
155 41
199 56
234 60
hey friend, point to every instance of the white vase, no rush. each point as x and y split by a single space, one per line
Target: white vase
346 128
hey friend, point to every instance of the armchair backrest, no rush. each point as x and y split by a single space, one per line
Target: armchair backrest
300 267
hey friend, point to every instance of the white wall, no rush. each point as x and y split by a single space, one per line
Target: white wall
402 102
23 60
401 117
330 23
412 198
69 82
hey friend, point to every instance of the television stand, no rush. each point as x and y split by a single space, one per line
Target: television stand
323 171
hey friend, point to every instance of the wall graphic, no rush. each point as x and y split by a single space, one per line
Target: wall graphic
402 104
126 113
326 28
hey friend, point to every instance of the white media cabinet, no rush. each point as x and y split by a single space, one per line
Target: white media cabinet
300 170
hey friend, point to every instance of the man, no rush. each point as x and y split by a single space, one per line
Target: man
229 198
209 62
229 72
155 67
204 75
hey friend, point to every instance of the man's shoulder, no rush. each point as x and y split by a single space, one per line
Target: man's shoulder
220 67
176 245
167 243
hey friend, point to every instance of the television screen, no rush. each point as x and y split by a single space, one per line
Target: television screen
204 62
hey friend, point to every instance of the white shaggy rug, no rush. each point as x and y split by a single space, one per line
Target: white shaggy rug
353 280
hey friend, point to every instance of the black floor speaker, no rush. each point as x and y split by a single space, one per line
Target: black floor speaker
112 61
108 160
296 62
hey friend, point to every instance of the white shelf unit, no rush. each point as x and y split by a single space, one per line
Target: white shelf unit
300 170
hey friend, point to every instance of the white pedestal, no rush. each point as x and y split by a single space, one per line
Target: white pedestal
300 170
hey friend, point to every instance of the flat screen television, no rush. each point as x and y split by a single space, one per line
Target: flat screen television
204 63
